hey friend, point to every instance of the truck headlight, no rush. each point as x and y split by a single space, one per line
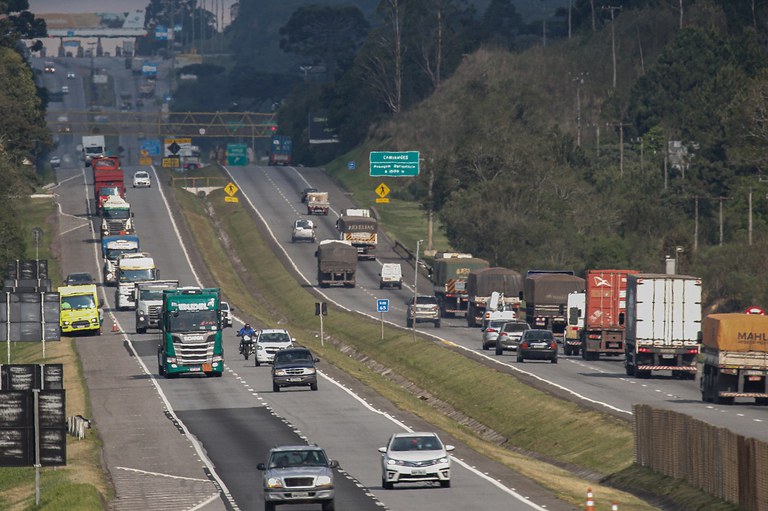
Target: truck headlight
280 372
94 320
65 323
274 482
323 481
110 275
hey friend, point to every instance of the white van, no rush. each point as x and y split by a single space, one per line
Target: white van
391 276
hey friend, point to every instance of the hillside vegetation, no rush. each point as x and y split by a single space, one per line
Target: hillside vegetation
529 172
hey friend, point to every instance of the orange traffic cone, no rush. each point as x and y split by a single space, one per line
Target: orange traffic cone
114 327
590 501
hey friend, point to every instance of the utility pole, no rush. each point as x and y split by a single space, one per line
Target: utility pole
696 224
721 220
620 125
613 9
579 82
750 217
431 211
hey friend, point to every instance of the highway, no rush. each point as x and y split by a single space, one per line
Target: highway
228 424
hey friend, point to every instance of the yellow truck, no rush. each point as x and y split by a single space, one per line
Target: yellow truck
80 309
733 358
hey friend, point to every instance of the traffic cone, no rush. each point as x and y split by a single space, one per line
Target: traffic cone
114 327
590 501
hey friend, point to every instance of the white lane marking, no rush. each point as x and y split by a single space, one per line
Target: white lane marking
358 398
169 476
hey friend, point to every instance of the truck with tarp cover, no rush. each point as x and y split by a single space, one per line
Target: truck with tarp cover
362 232
336 263
733 360
113 247
663 324
482 283
449 278
546 298
190 333
604 315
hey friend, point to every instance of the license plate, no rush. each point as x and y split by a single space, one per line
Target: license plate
539 345
300 494
667 356
207 367
419 472
294 379
754 378
194 369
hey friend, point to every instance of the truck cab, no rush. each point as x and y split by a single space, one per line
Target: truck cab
133 268
80 311
149 303
116 217
575 309
112 247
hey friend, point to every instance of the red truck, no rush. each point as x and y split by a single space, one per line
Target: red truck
108 179
605 314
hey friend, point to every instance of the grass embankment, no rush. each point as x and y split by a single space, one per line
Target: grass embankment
81 483
528 419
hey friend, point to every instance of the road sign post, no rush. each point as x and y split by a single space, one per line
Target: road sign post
394 164
382 306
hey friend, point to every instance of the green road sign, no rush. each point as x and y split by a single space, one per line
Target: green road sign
394 164
237 155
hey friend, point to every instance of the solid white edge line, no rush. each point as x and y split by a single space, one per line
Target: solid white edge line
355 396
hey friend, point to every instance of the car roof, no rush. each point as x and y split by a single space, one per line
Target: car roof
282 448
408 434
272 331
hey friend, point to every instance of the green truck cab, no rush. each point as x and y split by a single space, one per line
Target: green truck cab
191 328
80 310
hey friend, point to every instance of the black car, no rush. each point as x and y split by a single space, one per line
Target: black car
306 192
78 279
537 344
294 367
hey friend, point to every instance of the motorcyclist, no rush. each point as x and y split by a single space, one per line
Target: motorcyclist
246 330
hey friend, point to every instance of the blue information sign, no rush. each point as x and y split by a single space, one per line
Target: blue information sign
382 305
351 165
151 146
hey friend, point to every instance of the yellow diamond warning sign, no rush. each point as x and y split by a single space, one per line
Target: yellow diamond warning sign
382 190
231 189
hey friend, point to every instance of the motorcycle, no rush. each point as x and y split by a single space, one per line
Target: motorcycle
246 346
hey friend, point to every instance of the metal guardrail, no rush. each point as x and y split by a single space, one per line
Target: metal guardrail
424 268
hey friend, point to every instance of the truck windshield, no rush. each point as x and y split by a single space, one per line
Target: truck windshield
198 321
136 275
114 253
117 214
151 294
77 302
94 150
109 190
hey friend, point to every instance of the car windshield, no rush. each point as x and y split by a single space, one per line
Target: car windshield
197 321
496 324
303 224
515 327
141 175
293 357
538 335
280 337
303 458
415 443
117 214
426 300
77 302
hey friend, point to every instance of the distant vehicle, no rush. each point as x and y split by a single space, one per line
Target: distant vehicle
391 276
306 192
303 230
423 308
71 75
270 341
49 67
280 150
141 179
492 330
509 336
65 89
55 161
415 457
139 103
537 344
298 474
78 279
294 367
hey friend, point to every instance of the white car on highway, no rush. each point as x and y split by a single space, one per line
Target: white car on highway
268 342
415 457
303 230
141 179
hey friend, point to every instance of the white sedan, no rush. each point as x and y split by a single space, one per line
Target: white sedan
415 457
141 179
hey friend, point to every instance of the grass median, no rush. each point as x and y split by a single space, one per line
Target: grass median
81 483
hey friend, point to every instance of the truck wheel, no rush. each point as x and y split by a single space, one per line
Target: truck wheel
141 330
643 374
313 386
720 400
554 360
275 387
575 351
256 361
520 358
761 401
269 506
409 323
566 349
437 324
328 505
629 369
499 349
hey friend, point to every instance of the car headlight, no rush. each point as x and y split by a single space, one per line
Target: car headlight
323 481
391 461
310 370
442 460
280 372
274 482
